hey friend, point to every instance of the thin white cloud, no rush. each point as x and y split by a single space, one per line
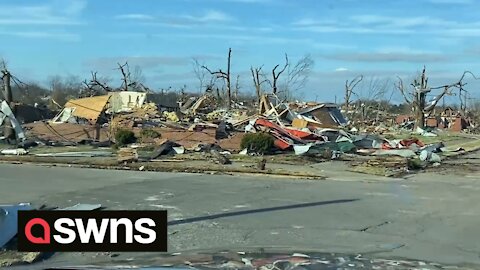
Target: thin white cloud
401 22
142 61
257 39
43 35
135 16
341 69
75 7
209 16
379 24
42 14
388 57
146 62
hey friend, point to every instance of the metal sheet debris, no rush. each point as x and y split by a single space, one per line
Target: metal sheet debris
82 207
6 112
8 221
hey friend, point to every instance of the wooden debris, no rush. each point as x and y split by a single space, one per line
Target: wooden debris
261 164
219 158
11 258
125 155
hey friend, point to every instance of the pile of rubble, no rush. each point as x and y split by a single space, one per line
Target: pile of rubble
199 125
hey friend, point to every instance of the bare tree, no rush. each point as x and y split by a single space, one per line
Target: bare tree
372 96
125 70
417 95
201 75
297 75
349 86
95 86
377 88
276 75
130 82
225 76
137 77
258 80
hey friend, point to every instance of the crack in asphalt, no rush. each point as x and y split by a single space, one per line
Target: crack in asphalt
374 226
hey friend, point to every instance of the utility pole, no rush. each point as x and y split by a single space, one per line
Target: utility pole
8 132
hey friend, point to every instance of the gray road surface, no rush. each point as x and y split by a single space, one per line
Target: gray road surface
426 216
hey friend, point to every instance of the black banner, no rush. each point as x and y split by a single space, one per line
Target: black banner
55 231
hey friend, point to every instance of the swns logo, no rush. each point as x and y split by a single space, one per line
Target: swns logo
92 231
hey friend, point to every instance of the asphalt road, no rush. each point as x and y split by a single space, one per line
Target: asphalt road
433 217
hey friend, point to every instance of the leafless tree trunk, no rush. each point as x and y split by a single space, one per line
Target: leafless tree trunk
276 75
218 93
418 95
229 94
257 81
237 87
226 76
349 86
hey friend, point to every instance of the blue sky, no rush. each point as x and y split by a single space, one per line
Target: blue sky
378 38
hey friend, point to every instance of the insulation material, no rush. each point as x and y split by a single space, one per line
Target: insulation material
126 101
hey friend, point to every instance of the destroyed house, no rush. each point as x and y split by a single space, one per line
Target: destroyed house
326 114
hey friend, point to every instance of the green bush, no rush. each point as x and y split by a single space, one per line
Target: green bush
257 142
149 133
124 137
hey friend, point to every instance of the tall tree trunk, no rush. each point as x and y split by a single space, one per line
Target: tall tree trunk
419 119
274 90
229 92
346 105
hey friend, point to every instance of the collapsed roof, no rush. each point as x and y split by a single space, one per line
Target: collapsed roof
92 108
